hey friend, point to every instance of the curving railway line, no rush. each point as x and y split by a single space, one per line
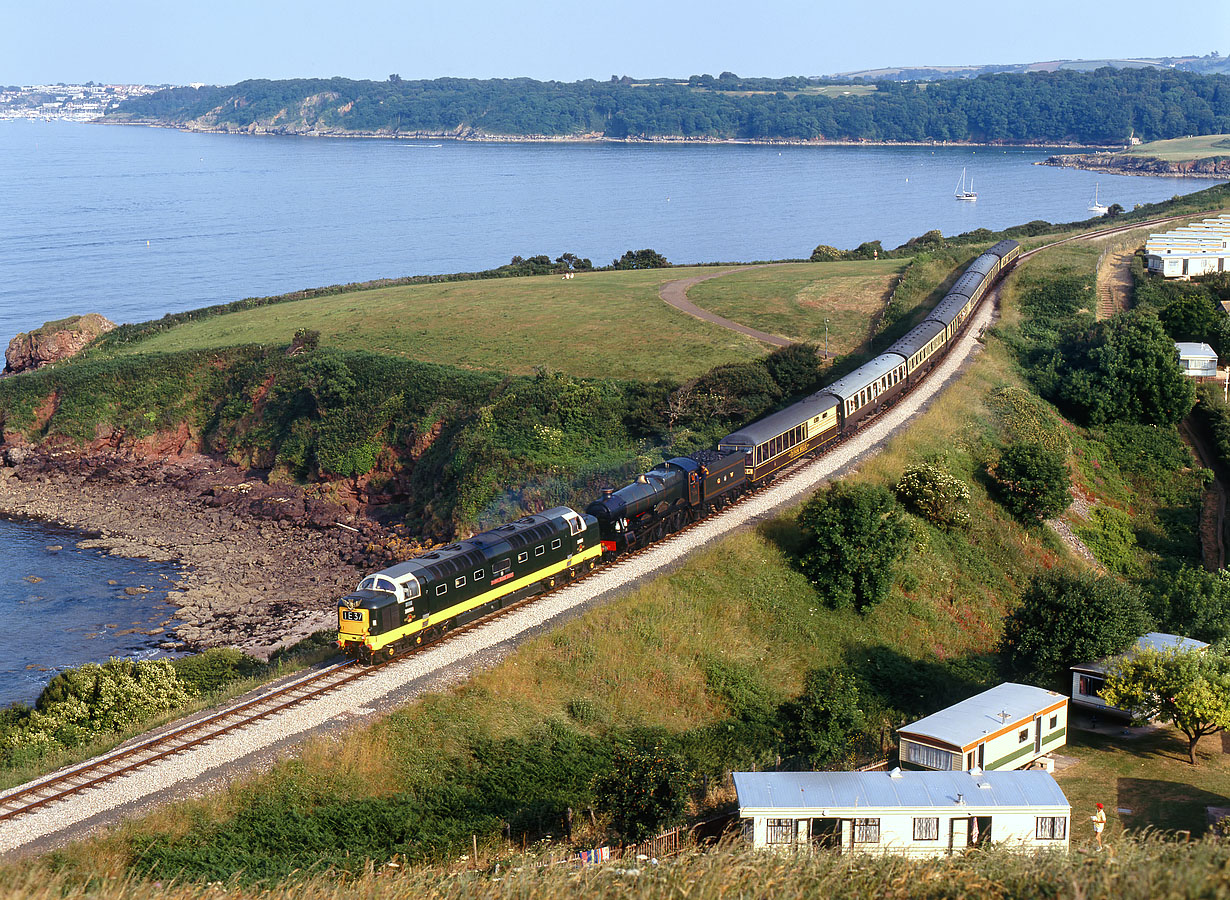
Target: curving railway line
32 815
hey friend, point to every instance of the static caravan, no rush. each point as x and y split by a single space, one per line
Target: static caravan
1196 360
1089 678
1007 727
908 813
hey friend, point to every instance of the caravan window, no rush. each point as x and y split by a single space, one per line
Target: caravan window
866 831
1051 828
927 828
779 831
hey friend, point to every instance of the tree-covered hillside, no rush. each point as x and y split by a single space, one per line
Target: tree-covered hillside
1106 106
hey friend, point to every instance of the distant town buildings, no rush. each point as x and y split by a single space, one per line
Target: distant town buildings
74 102
1200 248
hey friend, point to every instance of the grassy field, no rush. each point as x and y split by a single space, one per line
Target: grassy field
1144 771
1181 149
610 324
795 300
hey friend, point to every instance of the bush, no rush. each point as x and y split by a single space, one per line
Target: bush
825 720
1028 419
825 253
209 671
1110 538
643 792
853 534
1065 619
1032 482
933 493
641 259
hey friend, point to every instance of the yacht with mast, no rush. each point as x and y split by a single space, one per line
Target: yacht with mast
963 193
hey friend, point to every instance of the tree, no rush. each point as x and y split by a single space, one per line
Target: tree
1066 619
1124 369
825 253
641 259
1195 603
644 791
933 493
853 534
825 719
1032 482
1114 210
1188 688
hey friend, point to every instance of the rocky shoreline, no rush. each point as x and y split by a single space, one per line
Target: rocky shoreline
1121 164
262 565
474 135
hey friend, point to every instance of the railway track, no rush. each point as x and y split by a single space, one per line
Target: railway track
128 759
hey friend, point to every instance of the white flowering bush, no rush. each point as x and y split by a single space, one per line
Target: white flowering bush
94 700
935 494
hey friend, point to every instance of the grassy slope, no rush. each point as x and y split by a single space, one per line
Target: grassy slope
600 324
794 300
1181 149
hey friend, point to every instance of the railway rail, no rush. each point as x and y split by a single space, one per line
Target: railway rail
127 759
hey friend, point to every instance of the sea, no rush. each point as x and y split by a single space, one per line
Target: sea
136 222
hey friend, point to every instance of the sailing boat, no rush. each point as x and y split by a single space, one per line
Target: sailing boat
962 193
1095 207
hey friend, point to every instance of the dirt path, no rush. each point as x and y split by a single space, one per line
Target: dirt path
1213 509
1114 283
675 293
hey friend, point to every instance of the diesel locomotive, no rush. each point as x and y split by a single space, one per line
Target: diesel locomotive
417 600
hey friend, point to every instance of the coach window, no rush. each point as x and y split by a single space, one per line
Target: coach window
522 557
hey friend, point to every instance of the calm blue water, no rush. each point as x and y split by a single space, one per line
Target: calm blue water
137 222
227 217
60 608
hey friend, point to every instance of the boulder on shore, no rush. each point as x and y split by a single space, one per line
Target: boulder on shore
53 342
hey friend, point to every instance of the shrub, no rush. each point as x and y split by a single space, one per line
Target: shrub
1066 619
1032 482
825 253
641 259
825 720
644 791
1028 419
211 670
853 534
935 494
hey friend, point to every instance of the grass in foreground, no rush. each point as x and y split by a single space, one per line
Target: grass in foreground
599 324
1182 149
1131 869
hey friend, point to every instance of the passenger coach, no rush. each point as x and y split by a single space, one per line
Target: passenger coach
783 437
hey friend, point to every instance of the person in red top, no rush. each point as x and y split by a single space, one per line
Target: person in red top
1099 823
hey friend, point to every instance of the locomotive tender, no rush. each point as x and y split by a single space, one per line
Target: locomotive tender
419 599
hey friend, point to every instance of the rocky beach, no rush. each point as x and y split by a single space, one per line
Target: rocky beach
1123 164
262 564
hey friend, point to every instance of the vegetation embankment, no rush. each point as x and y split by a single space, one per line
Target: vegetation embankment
777 646
1107 106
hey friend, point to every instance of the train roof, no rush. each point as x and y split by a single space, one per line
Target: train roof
947 309
983 264
771 426
1003 248
847 387
916 338
473 553
967 283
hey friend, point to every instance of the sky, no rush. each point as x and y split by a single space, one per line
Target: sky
224 41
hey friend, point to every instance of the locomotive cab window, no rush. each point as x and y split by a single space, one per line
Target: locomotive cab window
502 568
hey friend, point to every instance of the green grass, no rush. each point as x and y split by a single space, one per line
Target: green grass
1181 149
794 300
600 324
1146 773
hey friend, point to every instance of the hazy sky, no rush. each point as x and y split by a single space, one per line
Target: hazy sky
224 41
